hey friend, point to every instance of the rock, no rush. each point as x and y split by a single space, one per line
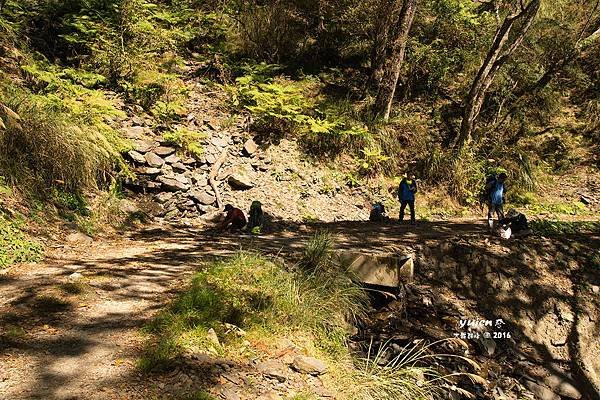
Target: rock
164 151
202 197
272 369
558 342
170 183
153 185
144 146
211 159
137 157
562 387
78 237
189 161
75 276
181 178
229 394
219 142
585 200
309 365
595 289
541 392
163 197
250 147
212 337
179 166
153 160
149 171
239 181
172 159
135 132
199 179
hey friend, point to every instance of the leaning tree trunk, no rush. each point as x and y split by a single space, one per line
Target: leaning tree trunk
503 46
386 13
393 63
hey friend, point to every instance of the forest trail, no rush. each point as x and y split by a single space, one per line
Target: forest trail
87 347
65 340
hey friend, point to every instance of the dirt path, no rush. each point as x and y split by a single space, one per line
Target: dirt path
61 345
62 340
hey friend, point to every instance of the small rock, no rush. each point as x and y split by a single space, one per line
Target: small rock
595 289
153 185
202 197
172 159
272 369
163 197
153 160
75 276
212 337
309 365
178 166
149 171
239 181
135 132
541 392
170 183
558 342
211 159
144 146
78 237
219 142
164 150
199 179
137 157
250 147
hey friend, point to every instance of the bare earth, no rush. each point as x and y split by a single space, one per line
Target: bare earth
57 345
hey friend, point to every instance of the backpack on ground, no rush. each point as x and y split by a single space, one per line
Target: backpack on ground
377 212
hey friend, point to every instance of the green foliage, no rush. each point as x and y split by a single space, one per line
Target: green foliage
15 246
371 160
59 140
551 228
70 201
258 296
187 139
408 375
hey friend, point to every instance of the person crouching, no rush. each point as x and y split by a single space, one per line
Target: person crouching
234 220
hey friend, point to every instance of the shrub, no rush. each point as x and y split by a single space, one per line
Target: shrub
187 139
62 137
15 246
260 297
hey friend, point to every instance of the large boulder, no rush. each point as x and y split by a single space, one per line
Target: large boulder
240 181
153 160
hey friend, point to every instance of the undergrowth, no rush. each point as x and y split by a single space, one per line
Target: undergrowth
15 245
262 298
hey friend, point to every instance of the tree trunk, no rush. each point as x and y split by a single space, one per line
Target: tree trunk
386 16
393 63
503 46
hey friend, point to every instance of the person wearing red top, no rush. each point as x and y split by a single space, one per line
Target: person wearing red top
235 217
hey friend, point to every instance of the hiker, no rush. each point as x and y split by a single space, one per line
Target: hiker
255 217
495 191
406 195
377 213
235 217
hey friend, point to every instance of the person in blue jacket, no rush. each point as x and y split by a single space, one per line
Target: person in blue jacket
406 195
496 189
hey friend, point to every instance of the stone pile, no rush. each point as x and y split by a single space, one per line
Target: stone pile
180 184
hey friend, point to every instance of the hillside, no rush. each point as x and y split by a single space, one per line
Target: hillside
126 126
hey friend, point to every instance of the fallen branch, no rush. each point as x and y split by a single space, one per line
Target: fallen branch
213 174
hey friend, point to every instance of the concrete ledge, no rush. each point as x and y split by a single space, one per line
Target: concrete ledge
389 270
